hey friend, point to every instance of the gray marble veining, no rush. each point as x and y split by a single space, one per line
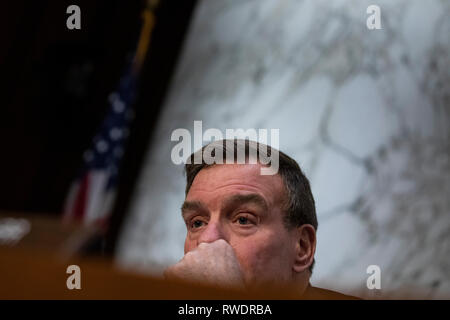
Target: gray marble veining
365 113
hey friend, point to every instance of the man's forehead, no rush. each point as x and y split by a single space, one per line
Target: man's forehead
232 178
228 202
223 173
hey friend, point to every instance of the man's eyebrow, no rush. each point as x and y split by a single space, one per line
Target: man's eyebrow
239 199
191 206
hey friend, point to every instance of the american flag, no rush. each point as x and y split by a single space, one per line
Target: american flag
91 197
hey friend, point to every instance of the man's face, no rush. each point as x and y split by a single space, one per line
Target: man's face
235 203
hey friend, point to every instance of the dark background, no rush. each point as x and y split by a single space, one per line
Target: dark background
55 87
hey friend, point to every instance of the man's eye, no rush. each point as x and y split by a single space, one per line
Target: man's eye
197 224
243 220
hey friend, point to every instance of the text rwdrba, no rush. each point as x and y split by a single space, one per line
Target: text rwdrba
238 309
246 309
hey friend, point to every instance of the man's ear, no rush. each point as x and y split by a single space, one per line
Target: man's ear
305 247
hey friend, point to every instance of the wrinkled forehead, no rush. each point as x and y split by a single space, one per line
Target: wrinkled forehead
218 182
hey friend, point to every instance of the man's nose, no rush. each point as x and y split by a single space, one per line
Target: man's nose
213 231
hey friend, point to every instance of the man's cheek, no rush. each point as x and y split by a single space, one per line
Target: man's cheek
189 245
258 261
246 262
